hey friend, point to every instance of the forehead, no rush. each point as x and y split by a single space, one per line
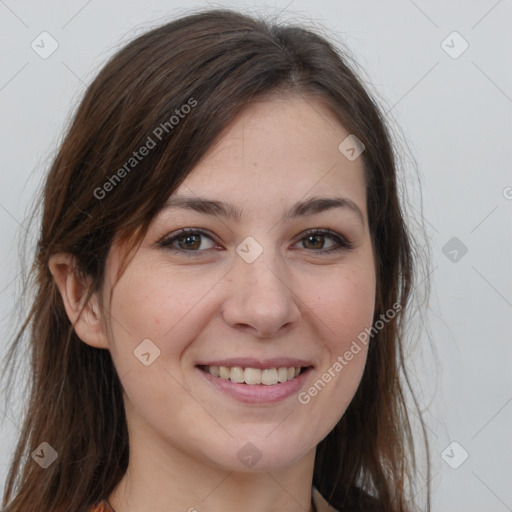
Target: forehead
279 149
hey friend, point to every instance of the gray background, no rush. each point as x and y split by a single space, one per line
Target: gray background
455 115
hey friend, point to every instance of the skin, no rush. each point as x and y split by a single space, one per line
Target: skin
291 301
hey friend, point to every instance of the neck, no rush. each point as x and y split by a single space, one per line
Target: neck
170 482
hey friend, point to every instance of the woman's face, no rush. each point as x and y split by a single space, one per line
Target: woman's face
251 290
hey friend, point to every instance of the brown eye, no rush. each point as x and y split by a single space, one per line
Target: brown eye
189 241
186 241
314 240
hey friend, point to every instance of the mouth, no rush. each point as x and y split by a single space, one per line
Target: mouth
254 376
255 382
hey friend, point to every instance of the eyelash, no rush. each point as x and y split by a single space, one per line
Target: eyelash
166 242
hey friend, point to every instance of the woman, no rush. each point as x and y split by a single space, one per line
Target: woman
222 274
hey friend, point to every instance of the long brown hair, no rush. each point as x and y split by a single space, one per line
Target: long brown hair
221 60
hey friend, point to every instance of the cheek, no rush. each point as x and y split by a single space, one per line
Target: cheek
344 314
342 308
154 314
344 305
168 306
157 304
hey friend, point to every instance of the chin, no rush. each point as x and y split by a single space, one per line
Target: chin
252 454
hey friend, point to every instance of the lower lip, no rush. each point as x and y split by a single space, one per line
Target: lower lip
258 393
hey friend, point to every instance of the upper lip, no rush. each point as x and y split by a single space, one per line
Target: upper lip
262 364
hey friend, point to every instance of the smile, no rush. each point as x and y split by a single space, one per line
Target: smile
256 381
254 376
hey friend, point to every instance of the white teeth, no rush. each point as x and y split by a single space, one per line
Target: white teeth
282 374
237 374
224 372
267 377
252 376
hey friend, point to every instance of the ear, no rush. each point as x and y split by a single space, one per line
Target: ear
73 287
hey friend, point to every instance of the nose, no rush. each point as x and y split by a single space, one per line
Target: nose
261 300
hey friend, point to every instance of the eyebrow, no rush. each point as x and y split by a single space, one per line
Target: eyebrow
310 206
